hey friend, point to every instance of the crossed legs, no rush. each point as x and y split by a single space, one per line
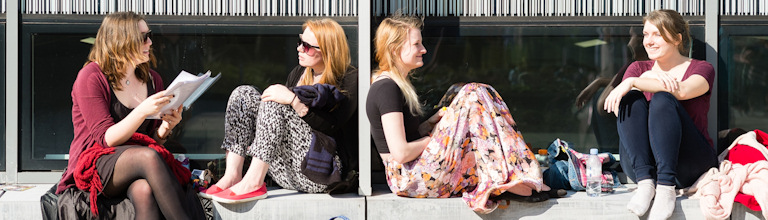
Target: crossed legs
140 172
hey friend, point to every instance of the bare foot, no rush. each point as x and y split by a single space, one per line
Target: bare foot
228 181
245 186
521 189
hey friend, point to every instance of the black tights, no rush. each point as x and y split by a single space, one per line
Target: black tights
138 173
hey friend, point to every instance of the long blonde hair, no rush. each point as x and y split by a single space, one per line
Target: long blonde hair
334 48
117 45
390 38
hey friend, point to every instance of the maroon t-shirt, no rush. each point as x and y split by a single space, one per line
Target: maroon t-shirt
697 107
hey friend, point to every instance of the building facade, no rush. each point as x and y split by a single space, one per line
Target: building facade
539 54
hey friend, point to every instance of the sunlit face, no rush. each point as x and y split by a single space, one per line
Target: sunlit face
655 45
312 58
143 28
412 50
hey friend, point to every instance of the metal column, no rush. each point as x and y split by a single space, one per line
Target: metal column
364 84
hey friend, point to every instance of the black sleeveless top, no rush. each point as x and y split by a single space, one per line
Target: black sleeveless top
120 111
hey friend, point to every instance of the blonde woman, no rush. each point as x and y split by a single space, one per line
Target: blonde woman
116 150
280 126
470 149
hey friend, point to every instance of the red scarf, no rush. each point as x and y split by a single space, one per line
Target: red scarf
87 178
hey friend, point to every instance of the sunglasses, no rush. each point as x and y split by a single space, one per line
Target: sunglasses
147 35
305 46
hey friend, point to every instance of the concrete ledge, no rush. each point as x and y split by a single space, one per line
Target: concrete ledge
576 205
23 204
290 204
741 212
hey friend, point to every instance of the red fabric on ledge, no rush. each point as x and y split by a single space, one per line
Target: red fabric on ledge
87 178
742 154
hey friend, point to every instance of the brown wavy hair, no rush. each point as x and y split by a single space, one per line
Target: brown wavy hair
118 45
334 48
671 23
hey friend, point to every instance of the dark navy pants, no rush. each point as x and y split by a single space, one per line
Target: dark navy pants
661 141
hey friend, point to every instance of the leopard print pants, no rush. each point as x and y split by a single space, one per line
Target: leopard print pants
271 132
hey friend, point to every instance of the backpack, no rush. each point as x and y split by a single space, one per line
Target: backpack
568 168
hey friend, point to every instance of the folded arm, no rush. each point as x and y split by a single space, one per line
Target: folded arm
400 149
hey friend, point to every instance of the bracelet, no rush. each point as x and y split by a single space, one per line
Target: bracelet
294 98
163 138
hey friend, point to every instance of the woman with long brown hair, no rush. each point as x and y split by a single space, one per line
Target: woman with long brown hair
117 151
662 107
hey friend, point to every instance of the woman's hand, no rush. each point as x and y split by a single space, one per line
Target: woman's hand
173 119
153 104
281 94
669 82
278 93
426 127
120 132
169 122
613 99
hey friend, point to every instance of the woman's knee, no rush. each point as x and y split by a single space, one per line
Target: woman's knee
140 191
145 156
632 96
245 93
244 90
633 103
663 101
273 109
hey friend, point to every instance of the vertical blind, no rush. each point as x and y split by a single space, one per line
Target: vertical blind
387 7
196 7
561 7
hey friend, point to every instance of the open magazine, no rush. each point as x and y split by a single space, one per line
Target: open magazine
186 88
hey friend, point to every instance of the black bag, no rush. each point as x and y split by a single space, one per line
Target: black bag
74 204
48 203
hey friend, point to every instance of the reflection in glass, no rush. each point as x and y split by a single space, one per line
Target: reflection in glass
748 80
538 71
260 60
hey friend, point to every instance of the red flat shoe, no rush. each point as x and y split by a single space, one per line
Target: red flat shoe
229 197
207 193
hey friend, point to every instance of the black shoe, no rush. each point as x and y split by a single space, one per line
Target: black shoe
534 197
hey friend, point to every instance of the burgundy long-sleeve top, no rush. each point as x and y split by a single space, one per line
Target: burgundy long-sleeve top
91 98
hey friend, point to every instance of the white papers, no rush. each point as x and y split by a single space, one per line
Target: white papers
186 88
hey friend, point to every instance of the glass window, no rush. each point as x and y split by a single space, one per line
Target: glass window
744 50
538 70
243 54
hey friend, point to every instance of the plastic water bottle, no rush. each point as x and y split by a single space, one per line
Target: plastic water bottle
594 173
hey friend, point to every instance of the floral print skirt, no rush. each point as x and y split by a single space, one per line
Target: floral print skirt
475 152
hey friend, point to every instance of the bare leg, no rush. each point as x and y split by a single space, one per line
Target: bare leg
521 189
233 173
253 178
